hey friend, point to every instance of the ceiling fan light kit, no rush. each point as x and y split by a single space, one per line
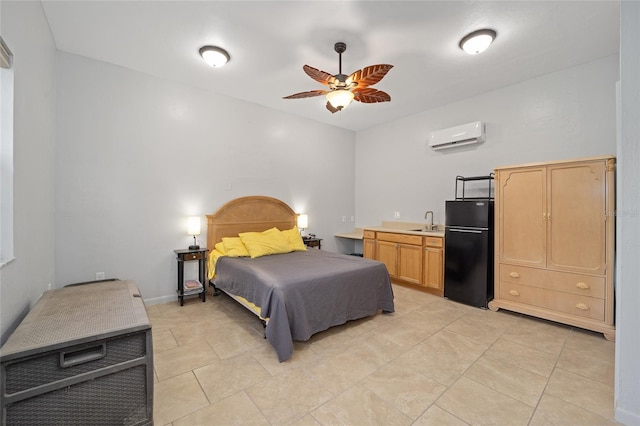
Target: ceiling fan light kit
340 98
477 41
342 89
214 56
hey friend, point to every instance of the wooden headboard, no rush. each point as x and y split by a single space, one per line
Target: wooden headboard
248 214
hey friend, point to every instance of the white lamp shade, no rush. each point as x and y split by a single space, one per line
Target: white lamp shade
193 225
303 221
340 99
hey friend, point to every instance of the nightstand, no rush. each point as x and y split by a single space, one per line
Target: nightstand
187 255
312 242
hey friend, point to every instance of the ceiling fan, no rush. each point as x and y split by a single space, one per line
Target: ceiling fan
342 89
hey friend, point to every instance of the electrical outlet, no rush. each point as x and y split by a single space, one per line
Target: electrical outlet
353 219
344 218
49 286
396 215
100 276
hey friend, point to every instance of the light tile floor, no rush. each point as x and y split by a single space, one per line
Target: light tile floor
432 362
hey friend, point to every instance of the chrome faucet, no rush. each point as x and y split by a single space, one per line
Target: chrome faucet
429 226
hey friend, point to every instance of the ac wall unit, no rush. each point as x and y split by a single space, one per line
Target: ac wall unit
465 134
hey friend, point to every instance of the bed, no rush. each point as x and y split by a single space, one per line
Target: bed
295 294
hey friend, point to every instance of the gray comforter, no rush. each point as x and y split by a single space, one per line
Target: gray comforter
305 292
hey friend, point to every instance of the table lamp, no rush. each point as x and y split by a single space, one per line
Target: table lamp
193 228
303 222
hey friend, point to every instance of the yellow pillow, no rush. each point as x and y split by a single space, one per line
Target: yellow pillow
295 240
233 247
265 243
220 248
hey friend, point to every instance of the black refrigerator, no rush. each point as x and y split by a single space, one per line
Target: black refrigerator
468 266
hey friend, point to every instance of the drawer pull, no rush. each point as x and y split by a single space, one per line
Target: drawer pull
583 286
514 293
514 275
582 306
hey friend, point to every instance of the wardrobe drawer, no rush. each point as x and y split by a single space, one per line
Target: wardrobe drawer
584 285
582 306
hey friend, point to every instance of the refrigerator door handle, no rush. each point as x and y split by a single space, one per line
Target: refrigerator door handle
470 231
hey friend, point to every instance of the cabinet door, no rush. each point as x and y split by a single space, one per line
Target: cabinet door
410 263
433 277
521 220
576 229
387 253
369 248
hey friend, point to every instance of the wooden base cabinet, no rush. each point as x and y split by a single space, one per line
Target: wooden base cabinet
554 247
433 265
409 258
369 244
402 254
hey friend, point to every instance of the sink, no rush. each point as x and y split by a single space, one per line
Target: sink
436 228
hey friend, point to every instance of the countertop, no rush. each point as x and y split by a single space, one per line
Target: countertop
406 231
397 227
356 234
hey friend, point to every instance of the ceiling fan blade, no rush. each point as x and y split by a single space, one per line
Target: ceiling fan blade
309 94
370 75
332 108
369 95
319 76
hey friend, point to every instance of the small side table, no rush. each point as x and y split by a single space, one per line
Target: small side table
312 242
187 255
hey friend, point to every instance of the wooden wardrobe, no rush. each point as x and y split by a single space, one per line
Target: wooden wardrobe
554 241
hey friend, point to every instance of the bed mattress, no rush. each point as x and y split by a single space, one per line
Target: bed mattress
303 293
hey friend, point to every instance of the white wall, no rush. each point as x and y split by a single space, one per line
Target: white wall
136 155
26 32
628 222
567 114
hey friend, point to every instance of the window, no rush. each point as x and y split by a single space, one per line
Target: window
6 154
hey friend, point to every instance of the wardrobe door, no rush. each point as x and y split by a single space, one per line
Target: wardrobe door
521 201
576 213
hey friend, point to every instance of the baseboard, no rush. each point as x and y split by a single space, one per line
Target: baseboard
626 417
161 299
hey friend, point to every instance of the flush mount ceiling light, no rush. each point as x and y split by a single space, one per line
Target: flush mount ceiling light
214 56
477 41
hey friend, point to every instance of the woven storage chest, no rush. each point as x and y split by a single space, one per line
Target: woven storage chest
81 356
